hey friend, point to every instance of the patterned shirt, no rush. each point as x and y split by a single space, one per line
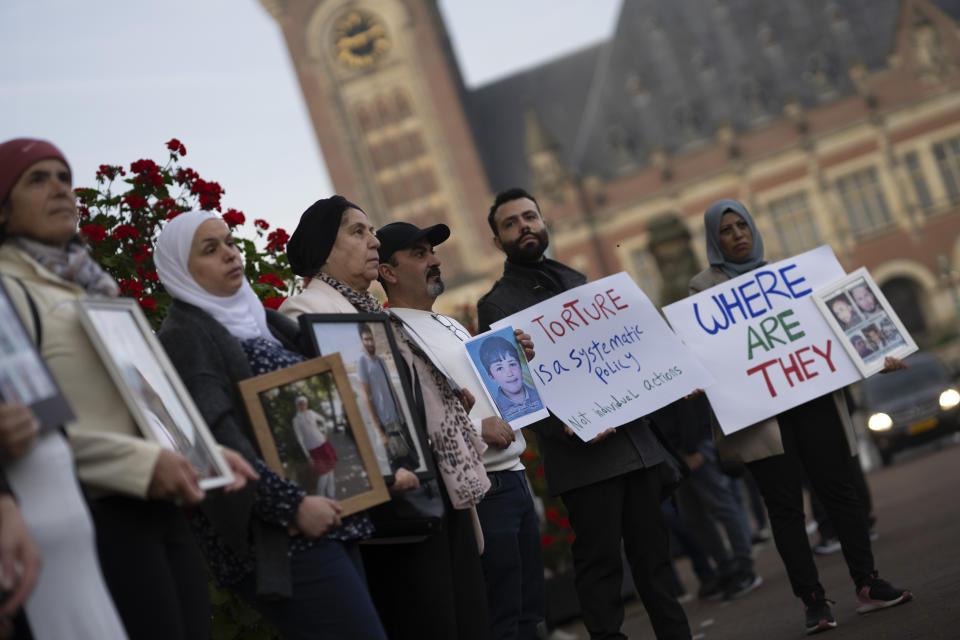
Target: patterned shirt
277 498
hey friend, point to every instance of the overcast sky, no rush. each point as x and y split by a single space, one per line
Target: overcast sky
110 81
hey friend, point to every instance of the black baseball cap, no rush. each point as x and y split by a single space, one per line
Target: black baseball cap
397 235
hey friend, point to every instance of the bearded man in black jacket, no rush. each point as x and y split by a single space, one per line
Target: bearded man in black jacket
611 486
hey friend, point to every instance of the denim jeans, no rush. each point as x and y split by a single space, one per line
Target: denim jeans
512 561
330 598
706 497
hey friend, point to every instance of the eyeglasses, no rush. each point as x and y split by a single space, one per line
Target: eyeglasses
462 335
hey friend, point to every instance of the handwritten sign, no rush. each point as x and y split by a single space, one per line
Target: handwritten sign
764 340
605 356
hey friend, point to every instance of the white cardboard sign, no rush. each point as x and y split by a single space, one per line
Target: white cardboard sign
764 340
605 356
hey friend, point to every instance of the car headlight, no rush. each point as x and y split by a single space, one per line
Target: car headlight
879 422
949 398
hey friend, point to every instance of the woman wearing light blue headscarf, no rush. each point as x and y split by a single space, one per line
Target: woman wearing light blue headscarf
814 439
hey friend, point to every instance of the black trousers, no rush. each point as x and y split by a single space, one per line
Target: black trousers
627 508
153 568
814 444
433 588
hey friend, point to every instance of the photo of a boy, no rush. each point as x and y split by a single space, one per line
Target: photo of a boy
514 396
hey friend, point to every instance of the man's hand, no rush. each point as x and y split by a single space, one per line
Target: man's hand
496 432
174 478
467 399
242 471
526 343
892 364
694 461
597 438
19 559
316 515
18 429
404 480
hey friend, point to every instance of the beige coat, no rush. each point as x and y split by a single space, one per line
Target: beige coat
760 440
317 297
111 455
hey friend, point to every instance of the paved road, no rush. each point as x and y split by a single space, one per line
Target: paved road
917 503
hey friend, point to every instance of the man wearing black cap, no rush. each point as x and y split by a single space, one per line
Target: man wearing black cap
512 564
611 486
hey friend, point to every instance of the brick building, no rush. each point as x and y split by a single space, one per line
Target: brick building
834 121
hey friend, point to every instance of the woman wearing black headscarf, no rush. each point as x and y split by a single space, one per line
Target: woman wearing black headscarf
814 439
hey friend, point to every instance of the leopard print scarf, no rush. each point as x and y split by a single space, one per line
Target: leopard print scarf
456 446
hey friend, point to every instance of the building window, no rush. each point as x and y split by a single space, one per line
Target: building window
924 199
646 274
795 225
863 200
947 154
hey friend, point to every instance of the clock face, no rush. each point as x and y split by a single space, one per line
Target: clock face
360 39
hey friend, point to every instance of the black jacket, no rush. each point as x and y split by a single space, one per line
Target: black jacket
568 462
211 362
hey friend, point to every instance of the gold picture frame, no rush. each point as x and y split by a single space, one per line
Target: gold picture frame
309 429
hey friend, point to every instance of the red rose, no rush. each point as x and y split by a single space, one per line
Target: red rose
234 218
186 176
132 288
274 303
148 303
134 201
563 523
173 214
546 540
273 280
177 147
209 193
263 224
143 252
125 231
94 232
277 240
148 275
83 211
528 455
144 166
552 514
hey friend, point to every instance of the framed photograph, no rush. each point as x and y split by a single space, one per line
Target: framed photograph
368 349
24 377
864 322
154 394
501 365
310 431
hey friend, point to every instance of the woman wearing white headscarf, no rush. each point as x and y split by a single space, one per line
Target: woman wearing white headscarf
814 439
310 583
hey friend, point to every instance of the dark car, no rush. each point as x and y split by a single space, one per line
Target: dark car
911 406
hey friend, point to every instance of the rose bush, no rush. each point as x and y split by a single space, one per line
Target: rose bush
123 214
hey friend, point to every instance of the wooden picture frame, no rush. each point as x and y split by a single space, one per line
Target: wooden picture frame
403 437
310 431
24 376
863 321
150 386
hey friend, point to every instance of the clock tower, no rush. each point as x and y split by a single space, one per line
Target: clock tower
385 98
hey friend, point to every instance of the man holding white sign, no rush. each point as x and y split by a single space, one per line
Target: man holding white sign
742 306
512 562
612 485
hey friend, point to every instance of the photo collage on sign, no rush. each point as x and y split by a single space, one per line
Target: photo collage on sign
864 322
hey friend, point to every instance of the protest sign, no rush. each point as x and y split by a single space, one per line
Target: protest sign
764 340
605 356
502 367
